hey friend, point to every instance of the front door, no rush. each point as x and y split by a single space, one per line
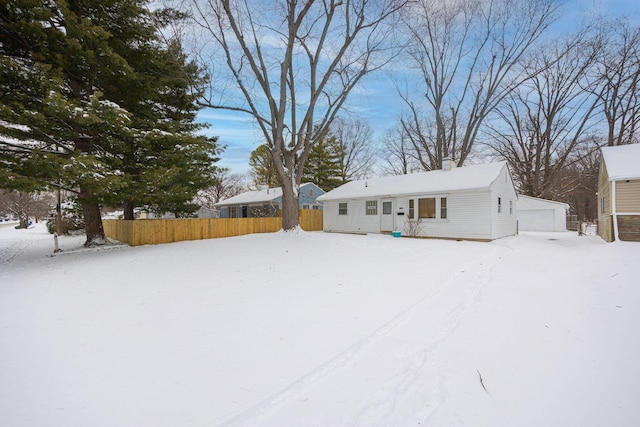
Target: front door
387 217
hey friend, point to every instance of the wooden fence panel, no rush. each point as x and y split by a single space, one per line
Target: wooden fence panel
311 220
155 231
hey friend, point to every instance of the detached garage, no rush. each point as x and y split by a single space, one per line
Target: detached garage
535 214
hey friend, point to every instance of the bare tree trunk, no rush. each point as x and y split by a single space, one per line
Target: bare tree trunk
59 211
295 86
290 207
128 211
92 219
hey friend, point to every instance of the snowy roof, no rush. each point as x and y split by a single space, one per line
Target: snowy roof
255 196
462 178
532 202
250 197
622 161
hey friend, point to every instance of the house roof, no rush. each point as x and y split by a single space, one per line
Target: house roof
255 196
437 181
251 197
622 161
533 202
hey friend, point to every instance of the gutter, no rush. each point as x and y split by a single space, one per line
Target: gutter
614 211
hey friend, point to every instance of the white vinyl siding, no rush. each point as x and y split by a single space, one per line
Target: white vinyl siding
470 214
502 225
357 221
467 216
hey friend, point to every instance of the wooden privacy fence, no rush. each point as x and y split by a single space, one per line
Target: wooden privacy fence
154 231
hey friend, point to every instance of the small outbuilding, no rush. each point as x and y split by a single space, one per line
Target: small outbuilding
535 214
267 202
619 193
471 202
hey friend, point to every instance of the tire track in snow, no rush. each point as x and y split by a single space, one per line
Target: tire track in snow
409 384
346 358
8 254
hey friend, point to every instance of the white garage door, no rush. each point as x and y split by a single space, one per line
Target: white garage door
536 220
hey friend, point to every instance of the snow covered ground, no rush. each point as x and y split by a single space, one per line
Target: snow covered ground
315 329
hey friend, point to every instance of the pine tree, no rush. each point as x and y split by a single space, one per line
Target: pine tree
58 60
93 100
166 163
323 167
263 169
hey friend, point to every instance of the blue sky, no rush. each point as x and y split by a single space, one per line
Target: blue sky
376 100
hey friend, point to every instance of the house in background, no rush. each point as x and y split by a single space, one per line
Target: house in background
267 202
535 214
619 193
208 213
470 202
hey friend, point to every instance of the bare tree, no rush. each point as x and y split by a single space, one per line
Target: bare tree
354 147
295 63
467 53
619 69
544 122
225 185
580 180
396 153
24 205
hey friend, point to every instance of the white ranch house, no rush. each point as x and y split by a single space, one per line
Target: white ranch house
471 202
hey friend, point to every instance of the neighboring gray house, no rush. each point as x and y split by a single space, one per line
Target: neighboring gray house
208 213
535 214
267 202
470 202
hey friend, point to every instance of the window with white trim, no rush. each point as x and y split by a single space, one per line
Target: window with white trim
427 208
342 208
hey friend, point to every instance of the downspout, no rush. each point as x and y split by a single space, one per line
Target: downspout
614 211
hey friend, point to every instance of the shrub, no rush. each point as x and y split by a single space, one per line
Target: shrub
413 227
71 220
